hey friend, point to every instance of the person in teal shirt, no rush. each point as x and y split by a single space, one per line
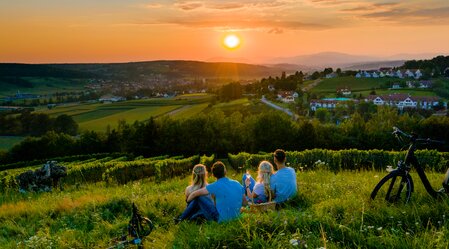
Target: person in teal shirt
283 182
227 193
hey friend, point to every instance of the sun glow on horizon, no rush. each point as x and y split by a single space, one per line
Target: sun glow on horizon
231 41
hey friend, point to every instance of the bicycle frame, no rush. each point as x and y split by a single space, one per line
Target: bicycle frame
411 160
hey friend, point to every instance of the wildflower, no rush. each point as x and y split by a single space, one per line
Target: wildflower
379 229
407 233
294 242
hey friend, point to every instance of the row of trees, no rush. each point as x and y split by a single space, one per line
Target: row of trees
437 66
35 124
216 133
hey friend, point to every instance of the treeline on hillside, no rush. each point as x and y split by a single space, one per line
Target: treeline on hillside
35 124
436 66
215 133
39 70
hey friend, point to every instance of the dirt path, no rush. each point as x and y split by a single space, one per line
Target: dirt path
312 85
178 110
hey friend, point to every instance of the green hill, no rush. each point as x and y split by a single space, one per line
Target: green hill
331 211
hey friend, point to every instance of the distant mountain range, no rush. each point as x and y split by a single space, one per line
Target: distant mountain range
348 61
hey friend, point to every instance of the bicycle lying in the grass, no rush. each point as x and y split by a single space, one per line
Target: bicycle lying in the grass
398 186
138 228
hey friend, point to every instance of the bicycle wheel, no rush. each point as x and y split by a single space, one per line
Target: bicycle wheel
395 187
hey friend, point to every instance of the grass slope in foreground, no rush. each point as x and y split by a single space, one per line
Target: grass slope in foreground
331 211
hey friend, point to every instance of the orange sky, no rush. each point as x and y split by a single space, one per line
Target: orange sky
114 30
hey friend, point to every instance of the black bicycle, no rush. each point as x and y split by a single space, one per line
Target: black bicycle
398 186
138 228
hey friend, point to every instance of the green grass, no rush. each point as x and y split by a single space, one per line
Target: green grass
98 116
242 101
188 111
43 85
7 142
355 84
115 115
331 210
412 92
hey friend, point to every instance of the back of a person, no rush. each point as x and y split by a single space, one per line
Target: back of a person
259 190
283 183
228 199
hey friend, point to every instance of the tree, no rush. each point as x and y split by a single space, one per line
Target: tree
338 71
230 91
65 124
323 115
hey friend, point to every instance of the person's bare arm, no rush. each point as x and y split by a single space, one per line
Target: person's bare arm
196 193
187 191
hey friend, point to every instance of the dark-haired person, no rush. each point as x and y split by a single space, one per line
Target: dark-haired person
283 182
227 193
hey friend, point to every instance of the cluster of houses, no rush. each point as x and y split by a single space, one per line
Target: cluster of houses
20 95
398 100
388 72
287 96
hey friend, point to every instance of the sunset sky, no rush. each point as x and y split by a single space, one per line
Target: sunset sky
117 31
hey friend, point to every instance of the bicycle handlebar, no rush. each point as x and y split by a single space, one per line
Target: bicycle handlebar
397 131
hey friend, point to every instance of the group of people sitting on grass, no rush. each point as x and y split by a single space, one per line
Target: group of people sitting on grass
223 200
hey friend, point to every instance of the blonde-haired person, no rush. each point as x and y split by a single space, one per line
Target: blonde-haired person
202 207
199 179
261 191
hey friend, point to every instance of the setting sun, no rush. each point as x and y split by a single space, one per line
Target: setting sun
231 41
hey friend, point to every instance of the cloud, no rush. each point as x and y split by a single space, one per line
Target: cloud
276 31
152 5
411 16
329 3
226 6
188 5
371 7
227 22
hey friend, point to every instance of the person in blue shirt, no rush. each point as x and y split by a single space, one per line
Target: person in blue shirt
283 182
227 193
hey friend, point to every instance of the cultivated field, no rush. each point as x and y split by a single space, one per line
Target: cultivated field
98 116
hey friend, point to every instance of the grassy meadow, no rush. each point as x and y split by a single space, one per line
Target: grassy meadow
355 84
364 86
98 116
331 210
7 142
42 85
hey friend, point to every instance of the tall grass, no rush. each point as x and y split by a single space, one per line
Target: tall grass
331 210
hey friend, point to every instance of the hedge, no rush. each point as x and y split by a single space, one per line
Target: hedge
351 159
